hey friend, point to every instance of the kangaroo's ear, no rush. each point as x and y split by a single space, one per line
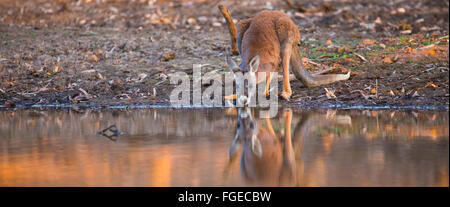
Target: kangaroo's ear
235 147
256 146
231 64
254 64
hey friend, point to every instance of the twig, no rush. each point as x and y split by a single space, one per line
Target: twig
86 94
427 47
363 95
114 130
316 64
361 57
35 92
376 88
325 7
324 71
292 6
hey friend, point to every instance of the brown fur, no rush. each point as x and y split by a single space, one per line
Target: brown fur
273 36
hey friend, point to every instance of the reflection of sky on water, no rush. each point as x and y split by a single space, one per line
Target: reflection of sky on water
191 148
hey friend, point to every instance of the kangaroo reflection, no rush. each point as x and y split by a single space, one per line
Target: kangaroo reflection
270 158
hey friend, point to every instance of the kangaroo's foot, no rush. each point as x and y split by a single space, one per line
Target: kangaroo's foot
267 93
286 95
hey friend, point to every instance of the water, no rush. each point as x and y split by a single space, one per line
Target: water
198 147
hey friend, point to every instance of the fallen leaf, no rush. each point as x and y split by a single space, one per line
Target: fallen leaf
373 91
93 58
56 68
98 52
405 26
387 60
329 94
142 76
349 59
377 21
391 93
191 21
408 49
169 56
431 52
165 20
342 49
430 84
368 41
362 94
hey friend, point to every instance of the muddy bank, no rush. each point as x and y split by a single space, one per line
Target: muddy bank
114 53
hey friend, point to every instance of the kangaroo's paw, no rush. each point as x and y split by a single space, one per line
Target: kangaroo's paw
286 95
230 97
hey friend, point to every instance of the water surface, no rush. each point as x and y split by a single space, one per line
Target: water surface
212 147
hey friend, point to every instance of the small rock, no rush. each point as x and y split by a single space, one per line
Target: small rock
191 21
202 19
401 10
406 32
377 21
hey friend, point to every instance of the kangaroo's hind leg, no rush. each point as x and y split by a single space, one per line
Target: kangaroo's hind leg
287 35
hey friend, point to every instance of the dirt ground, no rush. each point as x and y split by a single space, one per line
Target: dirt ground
121 52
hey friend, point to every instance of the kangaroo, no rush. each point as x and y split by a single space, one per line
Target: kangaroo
272 158
267 41
266 159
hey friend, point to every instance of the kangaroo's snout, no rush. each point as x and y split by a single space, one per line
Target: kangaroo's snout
243 100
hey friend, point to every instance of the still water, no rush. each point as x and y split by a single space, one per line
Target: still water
217 147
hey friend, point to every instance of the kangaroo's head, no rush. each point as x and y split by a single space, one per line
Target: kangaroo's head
245 80
246 131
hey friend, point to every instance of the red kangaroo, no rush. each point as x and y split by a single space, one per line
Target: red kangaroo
267 41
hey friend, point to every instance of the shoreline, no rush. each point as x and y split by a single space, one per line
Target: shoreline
49 107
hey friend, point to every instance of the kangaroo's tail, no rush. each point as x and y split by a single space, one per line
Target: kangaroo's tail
231 27
309 79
